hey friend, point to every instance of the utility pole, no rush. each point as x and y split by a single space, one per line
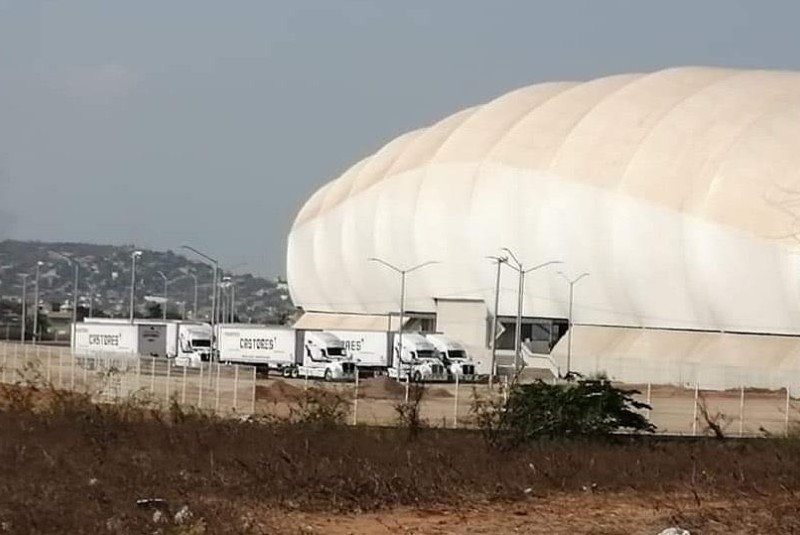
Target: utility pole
520 268
215 268
36 304
166 283
71 261
194 306
403 273
499 260
572 283
24 311
134 256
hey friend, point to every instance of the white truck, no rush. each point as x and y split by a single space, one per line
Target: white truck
417 359
454 356
188 342
376 352
268 348
323 357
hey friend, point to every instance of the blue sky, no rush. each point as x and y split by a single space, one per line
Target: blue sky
209 123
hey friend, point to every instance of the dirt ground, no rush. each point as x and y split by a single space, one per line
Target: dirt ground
578 514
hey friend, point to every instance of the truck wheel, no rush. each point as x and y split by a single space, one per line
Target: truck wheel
295 373
328 375
417 377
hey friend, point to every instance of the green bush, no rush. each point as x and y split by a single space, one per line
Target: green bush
584 408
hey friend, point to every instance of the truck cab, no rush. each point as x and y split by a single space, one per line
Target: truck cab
193 343
325 357
453 355
417 360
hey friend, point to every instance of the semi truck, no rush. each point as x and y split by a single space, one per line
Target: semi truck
453 355
293 353
187 342
377 352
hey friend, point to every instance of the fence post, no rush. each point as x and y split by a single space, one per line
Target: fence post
138 373
48 374
85 377
355 401
649 400
694 420
408 383
200 388
216 401
741 411
168 374
72 371
183 387
786 418
60 369
153 375
253 400
235 387
455 406
305 383
5 364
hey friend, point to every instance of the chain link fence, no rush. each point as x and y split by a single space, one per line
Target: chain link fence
218 388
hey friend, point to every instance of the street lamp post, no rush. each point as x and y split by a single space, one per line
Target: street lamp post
520 268
403 273
24 311
36 304
166 284
134 256
572 283
499 260
215 266
224 287
194 306
71 261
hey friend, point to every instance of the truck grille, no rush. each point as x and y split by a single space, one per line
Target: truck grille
437 369
348 367
468 369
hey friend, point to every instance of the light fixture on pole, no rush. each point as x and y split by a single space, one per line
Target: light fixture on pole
39 264
76 266
572 283
24 311
499 260
403 273
134 256
224 286
520 268
166 284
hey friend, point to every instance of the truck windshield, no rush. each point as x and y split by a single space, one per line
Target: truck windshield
201 343
425 354
457 354
335 351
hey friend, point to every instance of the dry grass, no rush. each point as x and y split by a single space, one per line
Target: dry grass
68 466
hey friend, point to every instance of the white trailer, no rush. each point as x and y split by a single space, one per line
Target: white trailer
113 339
264 346
188 342
369 350
454 356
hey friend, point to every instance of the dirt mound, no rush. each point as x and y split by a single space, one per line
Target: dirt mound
439 393
278 391
381 388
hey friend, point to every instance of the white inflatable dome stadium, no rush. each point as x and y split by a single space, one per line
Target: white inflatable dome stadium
678 191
